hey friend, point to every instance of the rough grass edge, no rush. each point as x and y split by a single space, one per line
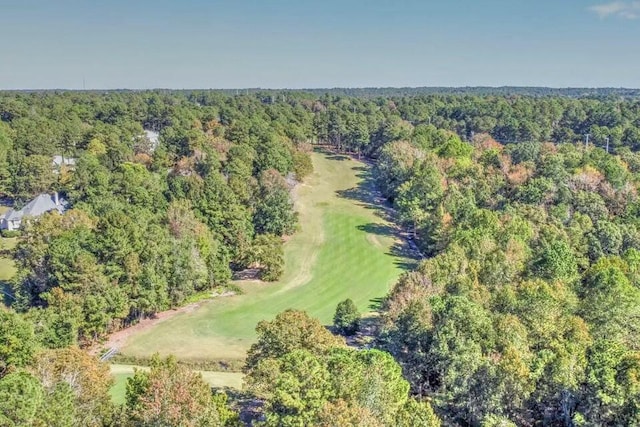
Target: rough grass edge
218 365
229 288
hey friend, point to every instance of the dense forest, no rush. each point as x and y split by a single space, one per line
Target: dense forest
148 226
525 309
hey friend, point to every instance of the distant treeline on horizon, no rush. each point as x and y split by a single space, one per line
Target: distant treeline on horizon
372 92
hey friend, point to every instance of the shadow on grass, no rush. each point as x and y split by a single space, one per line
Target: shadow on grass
250 408
376 304
407 266
358 194
403 249
406 258
379 229
369 197
331 155
337 157
7 293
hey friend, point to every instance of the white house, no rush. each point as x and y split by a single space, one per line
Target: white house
12 219
153 137
59 161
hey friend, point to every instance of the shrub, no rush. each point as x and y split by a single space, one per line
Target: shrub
347 318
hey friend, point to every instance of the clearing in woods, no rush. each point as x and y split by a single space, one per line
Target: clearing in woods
7 268
344 249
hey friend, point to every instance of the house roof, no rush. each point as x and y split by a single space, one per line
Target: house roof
66 161
38 206
153 137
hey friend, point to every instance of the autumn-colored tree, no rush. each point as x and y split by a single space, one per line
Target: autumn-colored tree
302 165
342 413
89 381
172 395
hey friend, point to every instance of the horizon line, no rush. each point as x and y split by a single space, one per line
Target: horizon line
320 88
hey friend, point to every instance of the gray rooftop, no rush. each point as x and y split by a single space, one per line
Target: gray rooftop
38 206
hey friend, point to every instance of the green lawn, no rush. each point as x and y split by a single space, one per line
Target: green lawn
7 267
342 250
119 388
215 379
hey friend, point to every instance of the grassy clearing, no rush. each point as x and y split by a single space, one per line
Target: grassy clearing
7 266
120 374
118 391
344 249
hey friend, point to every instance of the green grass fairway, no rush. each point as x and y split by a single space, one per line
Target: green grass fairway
344 249
215 379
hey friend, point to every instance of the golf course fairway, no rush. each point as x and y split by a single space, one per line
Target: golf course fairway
343 249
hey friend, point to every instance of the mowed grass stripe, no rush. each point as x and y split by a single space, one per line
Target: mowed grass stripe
331 258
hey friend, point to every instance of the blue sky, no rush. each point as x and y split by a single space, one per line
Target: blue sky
328 43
